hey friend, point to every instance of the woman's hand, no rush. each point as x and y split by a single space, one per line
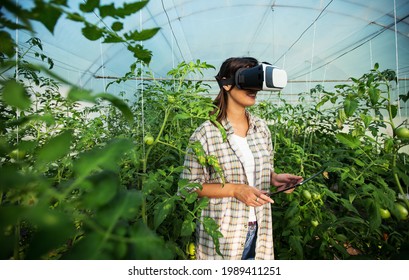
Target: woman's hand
285 180
251 196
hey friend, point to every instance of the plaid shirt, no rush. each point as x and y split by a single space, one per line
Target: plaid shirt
228 212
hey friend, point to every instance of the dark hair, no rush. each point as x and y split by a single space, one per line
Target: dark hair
227 71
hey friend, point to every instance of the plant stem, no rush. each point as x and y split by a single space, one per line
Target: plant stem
397 181
145 162
394 158
16 251
165 120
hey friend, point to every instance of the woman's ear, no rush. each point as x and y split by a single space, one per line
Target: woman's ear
227 87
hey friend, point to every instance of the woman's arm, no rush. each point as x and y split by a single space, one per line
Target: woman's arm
249 195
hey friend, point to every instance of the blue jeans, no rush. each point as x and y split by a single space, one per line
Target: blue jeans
249 252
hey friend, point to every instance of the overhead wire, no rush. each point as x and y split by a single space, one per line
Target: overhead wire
102 64
141 84
173 32
396 54
259 27
366 40
113 56
302 34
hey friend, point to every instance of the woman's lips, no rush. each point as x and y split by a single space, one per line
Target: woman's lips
252 94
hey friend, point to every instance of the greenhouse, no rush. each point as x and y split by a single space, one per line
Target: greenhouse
100 101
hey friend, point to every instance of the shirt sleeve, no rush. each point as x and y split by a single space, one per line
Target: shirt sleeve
195 170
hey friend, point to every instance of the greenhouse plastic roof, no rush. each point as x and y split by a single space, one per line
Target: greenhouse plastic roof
314 41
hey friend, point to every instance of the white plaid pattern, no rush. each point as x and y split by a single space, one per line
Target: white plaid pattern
229 213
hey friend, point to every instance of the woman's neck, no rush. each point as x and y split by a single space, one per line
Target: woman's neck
236 114
238 119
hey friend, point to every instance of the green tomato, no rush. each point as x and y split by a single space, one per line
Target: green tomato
403 212
402 133
385 214
316 196
341 237
314 223
306 194
171 99
191 249
148 140
17 154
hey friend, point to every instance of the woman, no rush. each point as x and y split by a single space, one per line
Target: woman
240 206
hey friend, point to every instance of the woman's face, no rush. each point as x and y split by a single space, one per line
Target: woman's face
241 97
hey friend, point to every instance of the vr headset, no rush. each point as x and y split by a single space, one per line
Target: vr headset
261 77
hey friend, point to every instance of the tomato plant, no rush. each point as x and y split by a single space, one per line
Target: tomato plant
346 131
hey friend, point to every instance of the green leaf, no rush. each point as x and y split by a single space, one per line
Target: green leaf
122 12
222 130
117 26
374 95
348 205
60 2
56 147
191 197
375 219
403 97
394 110
376 66
90 247
125 205
89 6
212 229
75 17
352 197
80 94
292 210
113 38
348 140
107 10
350 220
51 226
295 244
366 119
188 226
143 35
15 94
102 158
322 102
162 211
140 53
201 203
47 14
92 32
359 162
7 44
102 189
118 103
182 116
350 106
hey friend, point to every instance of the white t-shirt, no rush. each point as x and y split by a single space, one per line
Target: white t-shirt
249 166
